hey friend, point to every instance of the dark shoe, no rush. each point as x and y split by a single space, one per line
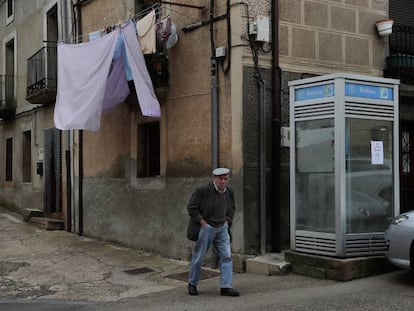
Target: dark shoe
229 292
192 290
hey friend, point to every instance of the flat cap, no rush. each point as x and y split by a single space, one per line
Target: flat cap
221 171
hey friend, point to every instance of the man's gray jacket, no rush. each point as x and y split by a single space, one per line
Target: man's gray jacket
200 206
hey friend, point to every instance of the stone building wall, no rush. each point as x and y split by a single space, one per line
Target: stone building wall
329 36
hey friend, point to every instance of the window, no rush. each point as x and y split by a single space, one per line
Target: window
27 156
142 5
369 179
52 38
9 159
148 150
9 78
10 11
315 175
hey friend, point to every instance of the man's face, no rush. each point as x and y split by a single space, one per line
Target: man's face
221 181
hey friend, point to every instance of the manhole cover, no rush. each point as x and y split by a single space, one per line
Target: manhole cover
205 274
138 271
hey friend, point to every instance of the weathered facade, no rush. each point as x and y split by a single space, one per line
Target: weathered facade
24 125
129 182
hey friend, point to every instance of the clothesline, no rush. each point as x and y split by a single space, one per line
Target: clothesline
156 8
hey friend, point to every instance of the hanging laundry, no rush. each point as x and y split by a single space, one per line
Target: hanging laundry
95 35
82 74
148 102
116 90
120 52
87 84
146 32
172 38
164 28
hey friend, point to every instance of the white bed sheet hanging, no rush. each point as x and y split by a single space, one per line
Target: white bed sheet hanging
82 75
148 102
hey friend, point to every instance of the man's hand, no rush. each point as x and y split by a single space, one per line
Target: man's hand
203 222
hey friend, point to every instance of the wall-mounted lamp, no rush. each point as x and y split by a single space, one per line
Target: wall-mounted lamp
384 27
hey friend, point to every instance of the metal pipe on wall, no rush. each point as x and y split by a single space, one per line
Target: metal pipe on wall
78 25
69 145
262 187
262 165
214 92
276 127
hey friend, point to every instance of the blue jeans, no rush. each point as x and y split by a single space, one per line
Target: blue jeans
220 239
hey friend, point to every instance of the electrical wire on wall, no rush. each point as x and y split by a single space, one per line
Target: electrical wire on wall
262 141
214 92
261 91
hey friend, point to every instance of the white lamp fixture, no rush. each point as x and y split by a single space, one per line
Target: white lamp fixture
384 27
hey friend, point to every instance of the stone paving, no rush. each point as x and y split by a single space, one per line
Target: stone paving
38 263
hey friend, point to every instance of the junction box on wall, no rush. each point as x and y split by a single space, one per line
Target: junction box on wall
259 27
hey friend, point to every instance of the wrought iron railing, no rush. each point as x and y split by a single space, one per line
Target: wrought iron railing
400 62
42 75
7 96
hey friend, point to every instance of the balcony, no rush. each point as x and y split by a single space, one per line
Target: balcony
7 101
42 76
400 62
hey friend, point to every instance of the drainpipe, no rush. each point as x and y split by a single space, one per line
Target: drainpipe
262 165
65 33
276 126
214 93
261 88
78 7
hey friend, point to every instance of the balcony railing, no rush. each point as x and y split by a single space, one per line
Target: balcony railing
7 99
400 62
42 76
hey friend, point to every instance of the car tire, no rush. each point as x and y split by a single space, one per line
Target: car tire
412 256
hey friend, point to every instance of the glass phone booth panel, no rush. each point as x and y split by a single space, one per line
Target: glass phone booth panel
315 168
369 175
344 163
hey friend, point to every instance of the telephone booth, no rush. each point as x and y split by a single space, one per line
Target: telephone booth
344 170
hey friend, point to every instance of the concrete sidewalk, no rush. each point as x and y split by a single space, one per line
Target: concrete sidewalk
57 270
38 263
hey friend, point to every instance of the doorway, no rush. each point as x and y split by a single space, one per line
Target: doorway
53 174
406 165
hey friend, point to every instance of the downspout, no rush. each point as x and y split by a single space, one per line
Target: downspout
78 6
262 165
68 225
80 182
69 164
214 93
276 127
80 148
262 189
